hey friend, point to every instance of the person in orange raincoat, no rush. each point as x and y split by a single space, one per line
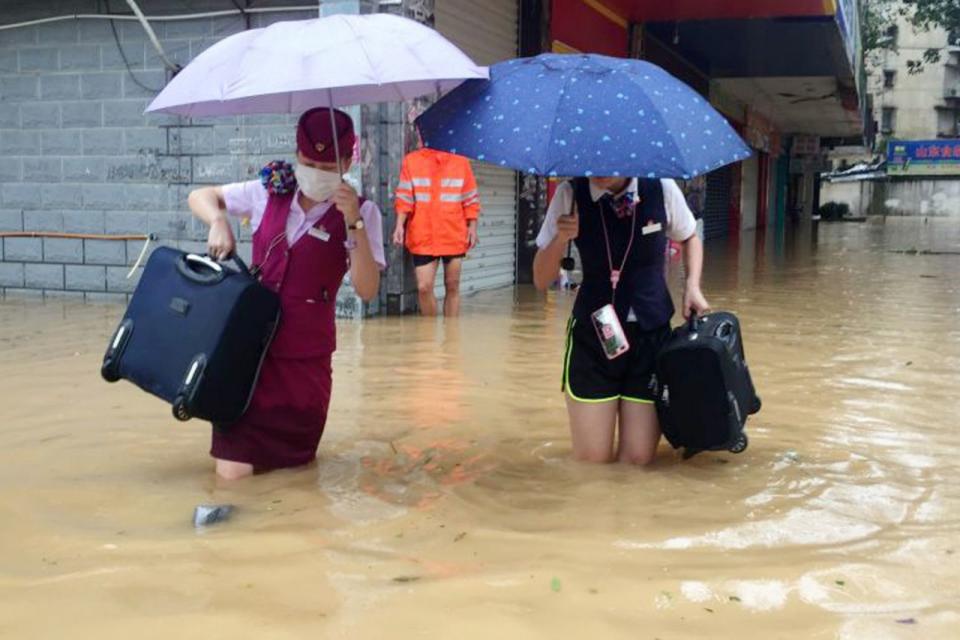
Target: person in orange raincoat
437 209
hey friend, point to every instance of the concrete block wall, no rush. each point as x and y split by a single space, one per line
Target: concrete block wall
78 155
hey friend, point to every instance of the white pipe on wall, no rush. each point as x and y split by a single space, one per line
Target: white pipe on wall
170 18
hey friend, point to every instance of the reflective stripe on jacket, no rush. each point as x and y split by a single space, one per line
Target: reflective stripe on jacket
438 194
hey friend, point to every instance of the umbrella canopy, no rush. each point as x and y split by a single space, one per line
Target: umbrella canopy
583 115
340 60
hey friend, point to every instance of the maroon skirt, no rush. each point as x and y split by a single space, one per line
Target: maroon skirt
285 419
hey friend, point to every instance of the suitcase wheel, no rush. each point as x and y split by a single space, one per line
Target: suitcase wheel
741 444
110 371
757 404
180 411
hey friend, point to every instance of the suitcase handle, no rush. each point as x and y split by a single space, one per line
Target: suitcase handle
214 272
211 274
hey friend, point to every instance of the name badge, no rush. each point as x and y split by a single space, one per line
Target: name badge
653 227
319 233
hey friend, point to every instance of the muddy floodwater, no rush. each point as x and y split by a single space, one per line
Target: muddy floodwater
444 503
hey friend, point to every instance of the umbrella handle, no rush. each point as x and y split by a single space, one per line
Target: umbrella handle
568 263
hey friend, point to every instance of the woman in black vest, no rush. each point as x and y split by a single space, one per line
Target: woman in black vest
622 313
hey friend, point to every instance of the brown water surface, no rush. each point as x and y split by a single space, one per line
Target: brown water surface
444 502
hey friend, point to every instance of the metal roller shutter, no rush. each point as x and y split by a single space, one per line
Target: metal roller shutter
717 207
487 32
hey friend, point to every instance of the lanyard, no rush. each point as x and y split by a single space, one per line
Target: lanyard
615 273
280 237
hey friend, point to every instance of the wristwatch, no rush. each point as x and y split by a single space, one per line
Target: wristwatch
356 226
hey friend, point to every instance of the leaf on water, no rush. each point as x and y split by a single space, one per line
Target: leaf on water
708 609
667 595
840 582
406 578
594 591
907 621
555 585
460 536
734 599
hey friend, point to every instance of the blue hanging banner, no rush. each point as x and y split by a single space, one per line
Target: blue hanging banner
924 157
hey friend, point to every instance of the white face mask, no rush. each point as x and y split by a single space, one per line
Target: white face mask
316 184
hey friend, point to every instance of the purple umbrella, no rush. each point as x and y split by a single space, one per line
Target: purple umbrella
340 60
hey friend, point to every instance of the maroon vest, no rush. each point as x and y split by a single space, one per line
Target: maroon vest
307 276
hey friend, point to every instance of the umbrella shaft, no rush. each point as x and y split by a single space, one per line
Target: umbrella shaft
335 134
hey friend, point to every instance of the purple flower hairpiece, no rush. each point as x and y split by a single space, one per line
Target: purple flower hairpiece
278 178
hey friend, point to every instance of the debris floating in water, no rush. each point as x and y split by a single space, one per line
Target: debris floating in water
207 514
406 578
907 621
790 456
555 585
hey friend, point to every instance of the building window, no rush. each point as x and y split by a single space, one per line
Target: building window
888 120
889 78
893 34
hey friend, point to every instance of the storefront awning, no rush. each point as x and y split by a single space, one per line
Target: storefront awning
658 10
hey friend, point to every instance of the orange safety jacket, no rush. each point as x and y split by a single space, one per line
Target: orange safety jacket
438 193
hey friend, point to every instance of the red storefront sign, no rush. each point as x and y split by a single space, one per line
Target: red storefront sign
660 11
588 26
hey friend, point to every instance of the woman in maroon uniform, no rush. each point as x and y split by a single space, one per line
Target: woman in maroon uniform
309 229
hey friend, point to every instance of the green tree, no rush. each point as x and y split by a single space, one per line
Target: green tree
880 18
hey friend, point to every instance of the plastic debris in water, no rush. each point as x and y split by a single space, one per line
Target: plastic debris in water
207 514
555 585
907 621
790 456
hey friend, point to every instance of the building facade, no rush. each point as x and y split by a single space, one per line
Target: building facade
916 106
913 167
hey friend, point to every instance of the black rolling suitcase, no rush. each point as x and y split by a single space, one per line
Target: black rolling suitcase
704 390
194 334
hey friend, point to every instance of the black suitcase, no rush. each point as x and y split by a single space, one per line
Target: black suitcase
194 334
704 390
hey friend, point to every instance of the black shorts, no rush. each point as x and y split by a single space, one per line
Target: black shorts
422 261
588 376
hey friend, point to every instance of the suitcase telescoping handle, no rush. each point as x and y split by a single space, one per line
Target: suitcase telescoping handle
206 270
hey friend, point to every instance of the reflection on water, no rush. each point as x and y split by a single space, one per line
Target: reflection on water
444 501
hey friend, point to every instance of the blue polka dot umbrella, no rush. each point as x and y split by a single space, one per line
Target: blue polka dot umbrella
583 115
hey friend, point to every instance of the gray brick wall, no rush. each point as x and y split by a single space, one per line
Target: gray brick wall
80 156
